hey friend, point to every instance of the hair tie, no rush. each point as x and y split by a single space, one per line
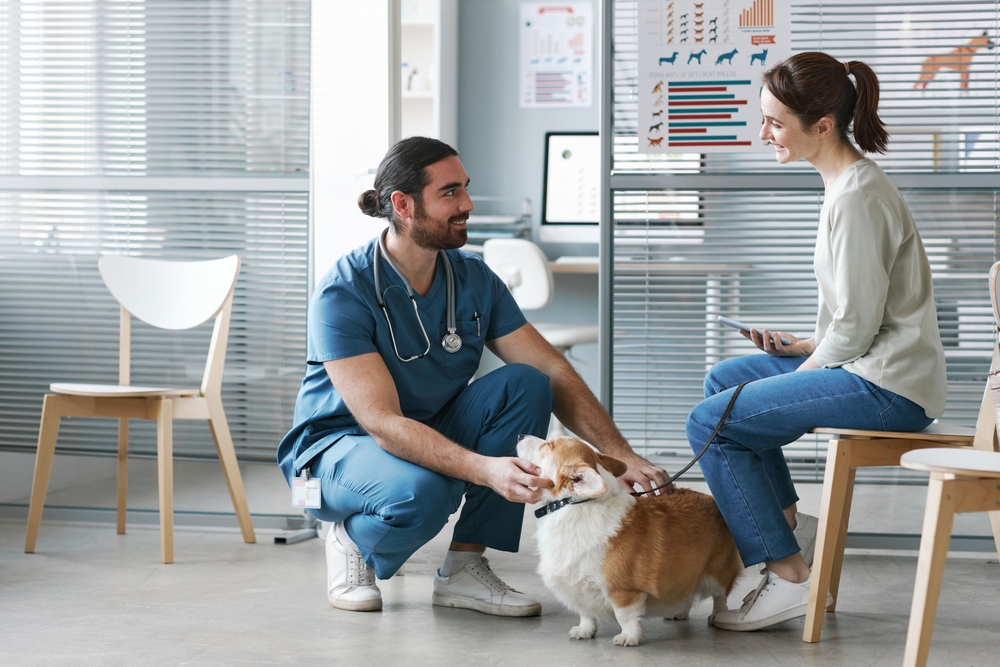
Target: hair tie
847 67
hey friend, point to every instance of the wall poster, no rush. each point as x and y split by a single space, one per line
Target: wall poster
700 65
557 54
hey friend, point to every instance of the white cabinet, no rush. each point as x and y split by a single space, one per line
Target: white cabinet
429 68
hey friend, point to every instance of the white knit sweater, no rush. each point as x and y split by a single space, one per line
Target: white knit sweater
876 302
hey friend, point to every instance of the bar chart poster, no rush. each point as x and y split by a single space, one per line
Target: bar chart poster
557 54
700 67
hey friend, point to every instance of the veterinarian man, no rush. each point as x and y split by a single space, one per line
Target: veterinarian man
387 420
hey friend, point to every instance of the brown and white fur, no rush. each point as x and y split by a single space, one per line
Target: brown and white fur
623 556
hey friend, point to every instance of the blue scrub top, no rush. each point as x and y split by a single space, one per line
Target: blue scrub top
345 320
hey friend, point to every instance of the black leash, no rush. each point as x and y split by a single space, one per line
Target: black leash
722 420
563 502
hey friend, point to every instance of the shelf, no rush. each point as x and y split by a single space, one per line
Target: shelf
418 94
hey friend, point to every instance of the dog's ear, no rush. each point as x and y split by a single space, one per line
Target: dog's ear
584 481
613 465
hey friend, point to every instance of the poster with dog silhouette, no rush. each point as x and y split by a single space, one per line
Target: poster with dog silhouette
700 66
557 54
938 71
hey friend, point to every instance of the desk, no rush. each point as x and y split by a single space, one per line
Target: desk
575 265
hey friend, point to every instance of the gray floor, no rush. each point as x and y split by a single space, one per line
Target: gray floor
91 597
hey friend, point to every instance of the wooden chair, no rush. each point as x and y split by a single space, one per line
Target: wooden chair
166 295
961 481
966 481
852 449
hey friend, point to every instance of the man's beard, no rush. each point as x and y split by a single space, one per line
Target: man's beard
428 235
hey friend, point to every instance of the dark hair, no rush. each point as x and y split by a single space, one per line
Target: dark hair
814 84
404 168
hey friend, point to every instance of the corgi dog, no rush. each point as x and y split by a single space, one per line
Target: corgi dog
605 553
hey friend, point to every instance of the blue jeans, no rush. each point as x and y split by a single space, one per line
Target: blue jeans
745 468
391 507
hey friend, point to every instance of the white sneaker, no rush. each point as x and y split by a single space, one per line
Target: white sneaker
350 583
774 601
805 531
477 587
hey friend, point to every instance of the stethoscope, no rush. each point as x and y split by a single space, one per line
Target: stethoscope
451 342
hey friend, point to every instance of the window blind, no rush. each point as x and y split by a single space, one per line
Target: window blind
165 129
697 236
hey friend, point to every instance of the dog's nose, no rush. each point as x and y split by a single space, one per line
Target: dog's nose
522 437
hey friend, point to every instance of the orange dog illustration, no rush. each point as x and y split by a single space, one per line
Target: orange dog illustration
655 142
958 59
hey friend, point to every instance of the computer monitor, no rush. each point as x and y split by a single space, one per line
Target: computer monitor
571 190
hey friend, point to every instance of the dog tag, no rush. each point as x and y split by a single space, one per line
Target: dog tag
305 491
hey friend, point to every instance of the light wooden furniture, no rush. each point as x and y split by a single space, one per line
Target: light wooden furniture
166 295
961 481
967 481
853 449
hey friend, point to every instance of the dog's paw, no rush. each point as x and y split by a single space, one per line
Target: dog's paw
625 640
679 616
582 632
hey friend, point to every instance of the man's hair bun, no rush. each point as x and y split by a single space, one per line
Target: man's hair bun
370 204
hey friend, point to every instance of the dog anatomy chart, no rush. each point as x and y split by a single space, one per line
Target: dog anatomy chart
557 54
700 65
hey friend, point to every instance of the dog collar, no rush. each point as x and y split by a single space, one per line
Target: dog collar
558 505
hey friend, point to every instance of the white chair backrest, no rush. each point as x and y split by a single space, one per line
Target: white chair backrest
166 294
524 268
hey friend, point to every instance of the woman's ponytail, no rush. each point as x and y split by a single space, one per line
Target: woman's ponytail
869 131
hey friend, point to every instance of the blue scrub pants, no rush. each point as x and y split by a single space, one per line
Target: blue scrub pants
745 468
391 507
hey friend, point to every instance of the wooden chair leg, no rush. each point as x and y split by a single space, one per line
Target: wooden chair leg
48 432
934 542
831 515
122 472
838 562
165 468
230 468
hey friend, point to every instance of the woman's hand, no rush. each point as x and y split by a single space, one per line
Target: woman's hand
770 342
645 474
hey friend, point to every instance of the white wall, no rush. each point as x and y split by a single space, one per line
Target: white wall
354 119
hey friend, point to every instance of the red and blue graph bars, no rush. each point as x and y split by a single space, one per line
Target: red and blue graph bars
704 113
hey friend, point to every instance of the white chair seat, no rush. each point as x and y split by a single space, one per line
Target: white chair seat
563 336
974 462
117 391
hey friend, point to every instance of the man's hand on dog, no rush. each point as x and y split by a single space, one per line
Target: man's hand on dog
515 479
643 473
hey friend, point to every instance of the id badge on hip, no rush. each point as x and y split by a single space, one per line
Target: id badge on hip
306 491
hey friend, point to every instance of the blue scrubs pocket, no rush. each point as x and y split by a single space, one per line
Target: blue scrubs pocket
305 458
462 365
